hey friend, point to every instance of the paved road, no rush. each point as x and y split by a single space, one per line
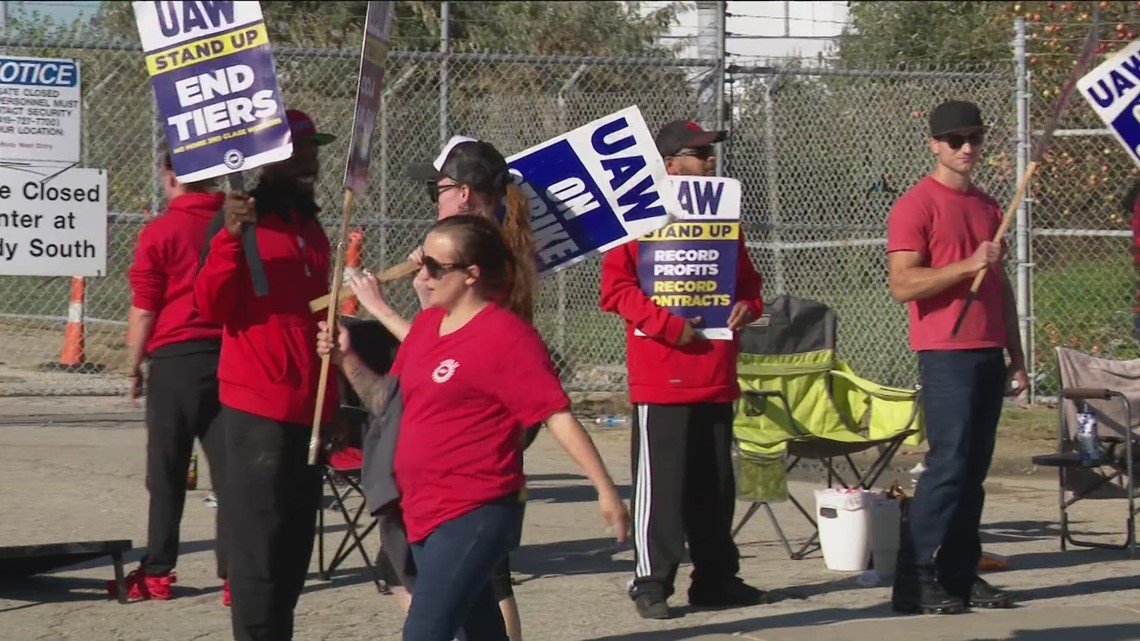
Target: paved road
72 469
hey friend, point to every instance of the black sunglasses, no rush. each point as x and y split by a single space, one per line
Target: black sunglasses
957 140
434 190
700 153
436 269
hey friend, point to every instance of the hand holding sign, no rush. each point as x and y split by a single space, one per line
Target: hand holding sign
690 331
689 267
238 210
215 83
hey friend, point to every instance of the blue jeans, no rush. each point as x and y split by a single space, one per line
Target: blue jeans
962 393
453 592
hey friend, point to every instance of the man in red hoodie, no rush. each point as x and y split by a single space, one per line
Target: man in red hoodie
683 388
268 381
182 387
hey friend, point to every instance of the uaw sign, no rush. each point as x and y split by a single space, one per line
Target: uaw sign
1113 91
689 267
594 188
213 76
370 86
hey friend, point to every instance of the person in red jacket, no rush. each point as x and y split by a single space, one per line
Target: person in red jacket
267 377
182 387
683 388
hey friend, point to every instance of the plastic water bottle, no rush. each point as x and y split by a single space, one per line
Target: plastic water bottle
1087 442
610 421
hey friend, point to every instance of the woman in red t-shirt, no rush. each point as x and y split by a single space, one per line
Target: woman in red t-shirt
467 177
472 376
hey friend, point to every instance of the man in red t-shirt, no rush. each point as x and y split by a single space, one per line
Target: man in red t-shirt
182 385
683 387
939 236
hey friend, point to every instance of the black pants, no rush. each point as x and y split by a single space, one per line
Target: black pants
683 487
181 405
962 394
271 505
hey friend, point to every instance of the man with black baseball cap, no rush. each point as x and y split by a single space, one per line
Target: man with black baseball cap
939 236
688 149
683 388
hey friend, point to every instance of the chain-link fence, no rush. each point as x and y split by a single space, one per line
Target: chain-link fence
1080 265
822 155
516 101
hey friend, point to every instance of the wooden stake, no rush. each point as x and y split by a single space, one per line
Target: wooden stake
322 382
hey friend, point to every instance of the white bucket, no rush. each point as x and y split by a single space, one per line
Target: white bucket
885 534
844 528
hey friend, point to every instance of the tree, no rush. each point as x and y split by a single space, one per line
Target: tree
943 34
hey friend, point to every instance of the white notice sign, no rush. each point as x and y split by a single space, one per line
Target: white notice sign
57 228
40 112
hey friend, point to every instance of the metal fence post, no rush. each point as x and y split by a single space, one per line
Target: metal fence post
560 277
1024 302
444 48
721 63
771 177
157 139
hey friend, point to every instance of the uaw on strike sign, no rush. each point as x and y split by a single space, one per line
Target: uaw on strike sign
594 188
689 267
1113 91
213 76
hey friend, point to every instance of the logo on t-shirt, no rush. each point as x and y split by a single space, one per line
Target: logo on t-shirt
445 371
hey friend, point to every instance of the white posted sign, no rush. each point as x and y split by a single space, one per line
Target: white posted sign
54 228
40 112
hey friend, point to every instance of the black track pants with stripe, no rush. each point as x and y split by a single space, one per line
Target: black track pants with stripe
683 488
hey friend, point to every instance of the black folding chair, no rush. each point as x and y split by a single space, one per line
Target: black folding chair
341 455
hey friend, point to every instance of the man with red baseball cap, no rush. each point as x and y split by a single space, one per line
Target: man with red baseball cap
267 382
683 388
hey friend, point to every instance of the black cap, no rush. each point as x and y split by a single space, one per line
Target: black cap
955 115
685 134
469 162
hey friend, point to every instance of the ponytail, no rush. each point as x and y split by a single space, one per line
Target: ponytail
520 240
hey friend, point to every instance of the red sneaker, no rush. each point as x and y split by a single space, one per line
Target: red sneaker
226 593
141 587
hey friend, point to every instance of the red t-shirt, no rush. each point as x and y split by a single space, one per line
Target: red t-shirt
946 226
467 398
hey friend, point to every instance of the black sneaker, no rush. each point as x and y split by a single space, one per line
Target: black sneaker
733 593
924 595
652 607
984 595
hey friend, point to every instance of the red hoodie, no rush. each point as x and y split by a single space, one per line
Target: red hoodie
660 372
162 274
269 363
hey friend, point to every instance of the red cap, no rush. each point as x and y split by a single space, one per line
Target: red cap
301 126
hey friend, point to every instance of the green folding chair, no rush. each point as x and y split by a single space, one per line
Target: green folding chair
799 401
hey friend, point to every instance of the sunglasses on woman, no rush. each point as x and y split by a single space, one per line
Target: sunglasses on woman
436 269
957 140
